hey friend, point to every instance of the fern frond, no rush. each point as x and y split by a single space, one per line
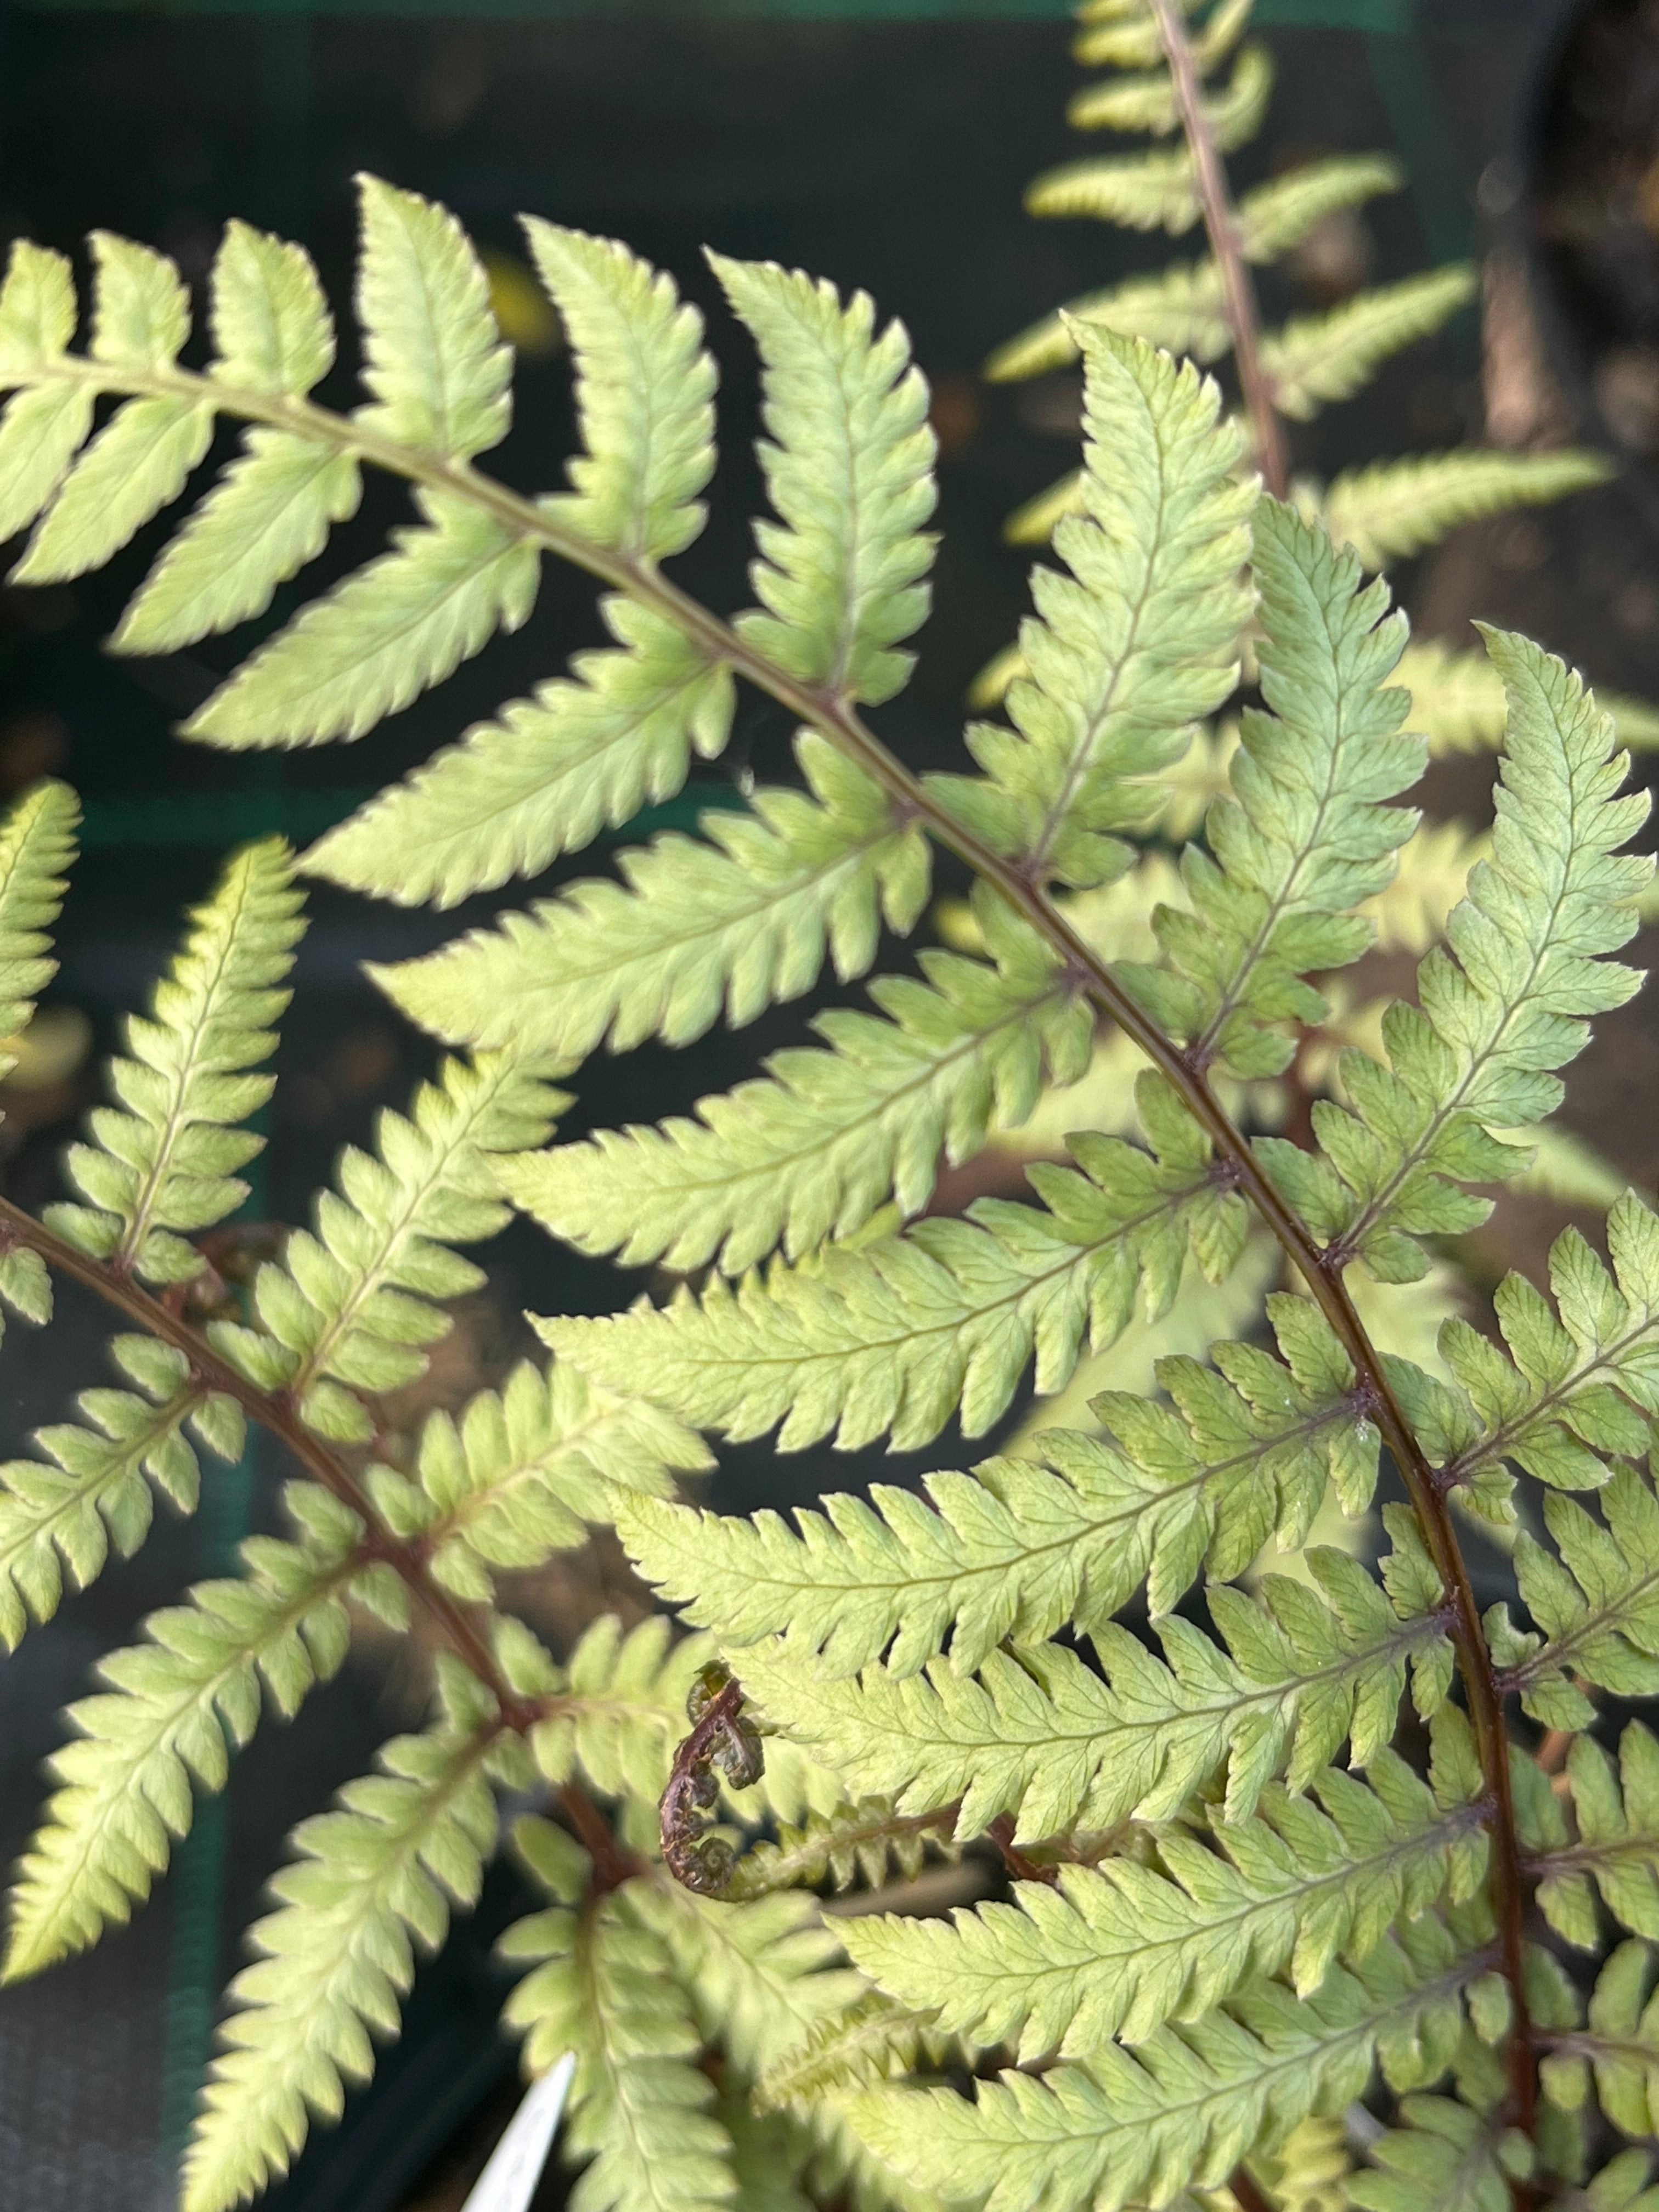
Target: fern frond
176 1707
1141 192
1458 703
867 1843
1304 837
545 777
386 635
1595 1598
524 1470
94 1494
731 924
1040 1736
350 1303
1504 1006
165 1160
1191 2102
762 1974
1394 508
1023 1545
1574 1387
434 360
1232 115
1119 664
1614 1845
900 1333
37 849
372 1881
1441 2158
1116 1951
1410 914
616 1710
874 2040
606 1985
644 391
1180 309
1128 37
1317 359
1619 2046
813 1150
848 462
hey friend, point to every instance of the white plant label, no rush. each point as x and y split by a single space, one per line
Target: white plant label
508 2182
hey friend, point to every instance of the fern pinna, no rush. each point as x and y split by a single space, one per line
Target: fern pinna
1252 1850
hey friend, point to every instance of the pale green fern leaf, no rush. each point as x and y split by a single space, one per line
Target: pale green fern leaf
763 1974
1304 836
900 1333
1394 508
605 1985
872 2040
271 328
1503 1007
1022 1547
828 1137
88 1491
1119 662
175 1708
522 1471
1618 2046
1317 359
730 924
867 1843
36 848
374 1880
1141 192
350 1301
42 428
645 390
1410 914
1613 1845
1040 1736
434 358
269 515
1182 310
1458 703
1191 2102
1441 2158
848 464
615 1710
1116 1951
136 466
546 776
1596 1600
1036 522
1128 37
1232 115
165 1160
140 304
383 636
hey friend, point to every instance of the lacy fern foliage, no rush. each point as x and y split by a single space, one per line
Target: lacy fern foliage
1242 1803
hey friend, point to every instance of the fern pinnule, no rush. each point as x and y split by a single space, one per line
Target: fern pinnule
37 849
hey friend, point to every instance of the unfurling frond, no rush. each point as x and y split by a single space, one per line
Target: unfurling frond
1304 837
1118 1950
1394 508
732 923
1039 1735
848 464
349 1306
812 1152
92 1494
1023 1545
374 1881
1186 2105
900 1333
616 1710
867 1843
545 777
1317 359
165 1159
175 1708
37 847
1503 1007
1138 643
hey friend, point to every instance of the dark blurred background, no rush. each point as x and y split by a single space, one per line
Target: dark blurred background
886 145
